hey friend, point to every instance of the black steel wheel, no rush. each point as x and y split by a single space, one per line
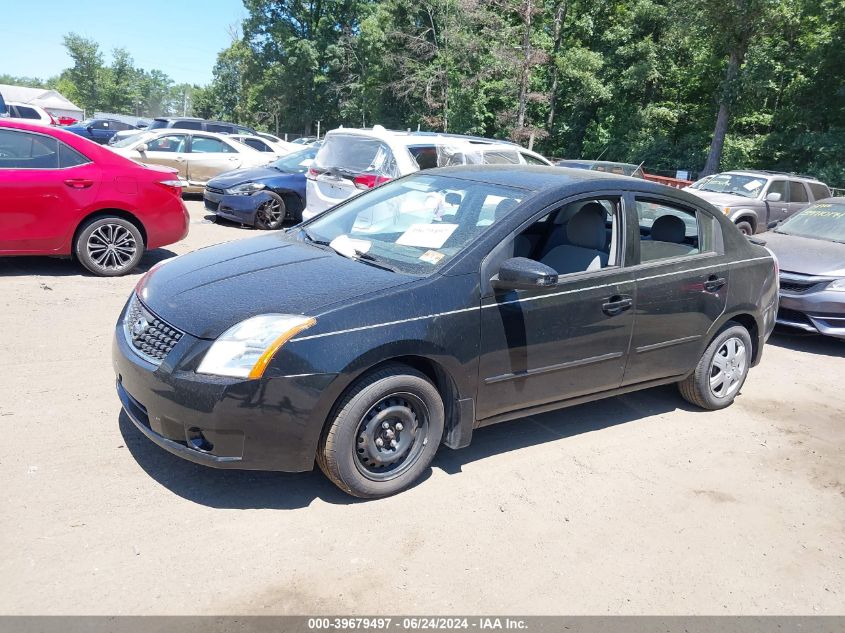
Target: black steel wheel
109 246
384 433
271 214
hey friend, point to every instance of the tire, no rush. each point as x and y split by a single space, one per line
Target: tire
745 228
715 383
271 213
109 246
409 405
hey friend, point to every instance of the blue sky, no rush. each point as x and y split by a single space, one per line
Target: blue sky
180 37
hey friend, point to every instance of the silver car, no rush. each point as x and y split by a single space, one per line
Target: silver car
810 247
756 200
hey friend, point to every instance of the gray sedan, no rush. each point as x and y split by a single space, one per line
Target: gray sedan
810 247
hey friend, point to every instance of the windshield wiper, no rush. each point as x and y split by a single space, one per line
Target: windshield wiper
311 239
372 260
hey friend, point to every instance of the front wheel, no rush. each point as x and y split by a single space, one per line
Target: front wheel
109 246
384 434
745 228
271 213
722 370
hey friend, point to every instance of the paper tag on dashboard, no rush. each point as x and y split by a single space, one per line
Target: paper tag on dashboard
427 235
432 257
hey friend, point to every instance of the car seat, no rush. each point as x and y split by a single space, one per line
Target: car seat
667 239
587 239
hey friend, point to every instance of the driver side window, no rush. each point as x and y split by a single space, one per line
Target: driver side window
582 236
169 143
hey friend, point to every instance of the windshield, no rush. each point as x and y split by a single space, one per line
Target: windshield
157 124
130 140
823 221
414 225
745 186
296 163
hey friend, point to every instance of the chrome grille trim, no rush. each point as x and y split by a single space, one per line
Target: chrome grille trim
149 336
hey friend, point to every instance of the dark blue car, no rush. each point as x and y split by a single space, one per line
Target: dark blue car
99 130
264 196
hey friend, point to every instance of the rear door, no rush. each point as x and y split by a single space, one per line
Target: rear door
682 276
208 157
45 187
799 197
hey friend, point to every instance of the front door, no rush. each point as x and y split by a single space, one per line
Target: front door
682 287
778 210
170 150
545 346
44 188
208 157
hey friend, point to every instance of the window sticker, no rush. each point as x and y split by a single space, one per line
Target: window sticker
427 235
432 257
753 184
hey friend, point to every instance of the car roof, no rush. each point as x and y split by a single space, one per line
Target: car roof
167 131
766 172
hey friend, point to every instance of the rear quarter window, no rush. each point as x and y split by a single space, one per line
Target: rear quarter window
356 154
819 191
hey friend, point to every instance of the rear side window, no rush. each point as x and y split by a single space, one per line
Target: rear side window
430 156
69 157
819 191
254 143
668 231
187 125
219 128
169 143
355 155
24 150
501 158
25 112
531 160
797 192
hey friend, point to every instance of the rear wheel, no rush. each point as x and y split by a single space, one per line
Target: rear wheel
385 433
109 246
745 228
722 370
271 214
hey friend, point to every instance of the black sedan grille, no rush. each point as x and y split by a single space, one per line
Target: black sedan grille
148 335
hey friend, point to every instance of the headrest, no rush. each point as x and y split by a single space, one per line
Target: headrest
504 207
587 227
668 228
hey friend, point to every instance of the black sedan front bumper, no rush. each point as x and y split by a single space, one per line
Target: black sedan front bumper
267 424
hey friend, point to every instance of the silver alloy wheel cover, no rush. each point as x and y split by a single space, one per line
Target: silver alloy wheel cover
111 246
727 368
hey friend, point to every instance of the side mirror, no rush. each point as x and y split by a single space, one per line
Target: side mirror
521 273
772 225
90 129
773 197
142 148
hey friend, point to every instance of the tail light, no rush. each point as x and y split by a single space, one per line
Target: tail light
369 181
174 184
312 173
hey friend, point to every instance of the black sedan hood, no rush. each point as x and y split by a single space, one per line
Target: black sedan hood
807 256
208 291
240 176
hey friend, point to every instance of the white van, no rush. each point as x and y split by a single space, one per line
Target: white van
352 160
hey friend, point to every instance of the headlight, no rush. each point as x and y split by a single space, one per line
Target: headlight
838 284
245 350
245 189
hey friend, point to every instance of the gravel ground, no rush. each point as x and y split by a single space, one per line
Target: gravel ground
634 505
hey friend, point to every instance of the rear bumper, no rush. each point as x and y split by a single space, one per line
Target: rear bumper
815 312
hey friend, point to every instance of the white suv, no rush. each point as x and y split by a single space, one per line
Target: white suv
353 160
28 113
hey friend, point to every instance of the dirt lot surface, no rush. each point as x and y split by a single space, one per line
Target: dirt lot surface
638 504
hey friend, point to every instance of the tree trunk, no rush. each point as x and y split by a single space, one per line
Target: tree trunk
560 18
724 115
526 65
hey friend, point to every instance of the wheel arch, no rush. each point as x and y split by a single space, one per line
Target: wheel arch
747 215
293 202
104 213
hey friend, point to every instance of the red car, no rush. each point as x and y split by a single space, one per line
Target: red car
61 194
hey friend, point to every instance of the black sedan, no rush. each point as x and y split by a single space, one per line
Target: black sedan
262 196
412 315
810 247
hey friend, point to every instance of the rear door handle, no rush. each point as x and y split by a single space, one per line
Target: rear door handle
79 183
714 283
616 304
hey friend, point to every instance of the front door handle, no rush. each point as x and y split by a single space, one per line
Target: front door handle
714 283
617 304
79 183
